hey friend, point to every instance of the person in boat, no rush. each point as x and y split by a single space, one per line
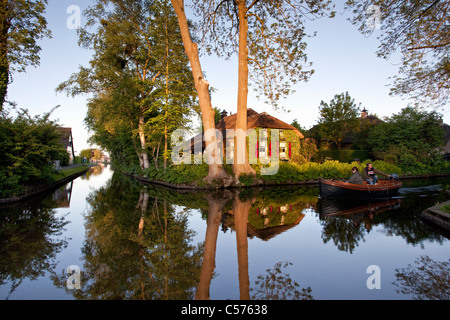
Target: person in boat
370 174
356 177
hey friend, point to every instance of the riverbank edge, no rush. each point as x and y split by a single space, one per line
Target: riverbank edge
44 188
436 216
260 184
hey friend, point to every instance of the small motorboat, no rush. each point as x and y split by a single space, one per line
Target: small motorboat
334 189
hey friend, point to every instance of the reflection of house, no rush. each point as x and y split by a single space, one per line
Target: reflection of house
67 142
63 195
289 136
267 222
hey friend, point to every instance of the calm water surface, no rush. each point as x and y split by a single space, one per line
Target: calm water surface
132 241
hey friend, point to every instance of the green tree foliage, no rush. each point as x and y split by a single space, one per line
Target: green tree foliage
418 30
337 119
411 132
29 144
300 128
94 153
22 23
139 77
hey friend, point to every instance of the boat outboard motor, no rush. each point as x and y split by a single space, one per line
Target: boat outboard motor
394 176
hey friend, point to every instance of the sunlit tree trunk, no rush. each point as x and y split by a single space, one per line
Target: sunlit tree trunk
216 171
143 151
241 164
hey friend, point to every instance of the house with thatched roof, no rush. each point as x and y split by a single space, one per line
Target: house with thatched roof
289 136
67 141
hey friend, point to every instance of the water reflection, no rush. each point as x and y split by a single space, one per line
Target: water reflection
278 285
139 244
136 247
426 280
30 238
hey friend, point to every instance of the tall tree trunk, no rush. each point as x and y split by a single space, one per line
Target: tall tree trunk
4 65
167 93
241 164
216 170
143 151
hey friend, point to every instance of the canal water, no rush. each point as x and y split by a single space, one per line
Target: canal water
107 236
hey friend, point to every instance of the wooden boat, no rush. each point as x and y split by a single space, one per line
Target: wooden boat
334 189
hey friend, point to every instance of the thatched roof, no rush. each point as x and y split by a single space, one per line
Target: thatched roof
257 120
254 120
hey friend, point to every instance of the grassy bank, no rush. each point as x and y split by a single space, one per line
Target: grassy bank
287 173
446 208
56 178
66 172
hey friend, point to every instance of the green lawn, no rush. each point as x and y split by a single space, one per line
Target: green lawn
446 208
67 172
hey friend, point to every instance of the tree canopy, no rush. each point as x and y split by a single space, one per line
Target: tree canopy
276 44
22 23
138 77
337 119
418 30
411 132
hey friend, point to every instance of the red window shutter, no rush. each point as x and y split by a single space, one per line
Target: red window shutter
257 149
270 149
290 152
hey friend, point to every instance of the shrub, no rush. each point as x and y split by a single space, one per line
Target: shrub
28 146
341 155
390 159
407 160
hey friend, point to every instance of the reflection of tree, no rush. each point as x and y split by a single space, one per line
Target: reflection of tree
241 206
136 247
277 285
427 280
216 203
94 170
343 232
402 220
29 240
406 222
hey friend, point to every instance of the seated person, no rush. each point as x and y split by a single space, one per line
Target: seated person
370 174
356 177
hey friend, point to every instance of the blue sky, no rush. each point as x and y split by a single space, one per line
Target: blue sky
343 60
